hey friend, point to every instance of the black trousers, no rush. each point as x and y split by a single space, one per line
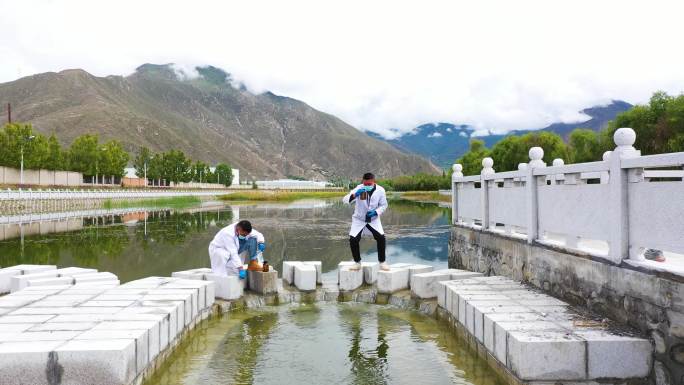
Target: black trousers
379 239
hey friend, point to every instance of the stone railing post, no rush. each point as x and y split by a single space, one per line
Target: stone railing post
455 176
536 154
487 169
624 139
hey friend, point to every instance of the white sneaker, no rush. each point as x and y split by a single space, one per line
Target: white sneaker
355 267
384 266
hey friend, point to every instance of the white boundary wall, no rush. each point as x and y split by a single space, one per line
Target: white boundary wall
626 202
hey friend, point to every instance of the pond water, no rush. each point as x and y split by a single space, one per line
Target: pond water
326 343
141 243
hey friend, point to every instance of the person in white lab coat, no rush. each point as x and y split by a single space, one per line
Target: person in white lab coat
371 203
233 246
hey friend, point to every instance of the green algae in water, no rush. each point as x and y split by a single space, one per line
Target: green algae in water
324 344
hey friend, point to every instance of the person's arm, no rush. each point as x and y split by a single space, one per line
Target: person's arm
259 237
382 203
234 262
349 198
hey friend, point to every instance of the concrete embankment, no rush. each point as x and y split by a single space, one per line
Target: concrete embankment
120 335
648 301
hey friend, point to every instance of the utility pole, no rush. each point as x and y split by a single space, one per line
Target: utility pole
9 113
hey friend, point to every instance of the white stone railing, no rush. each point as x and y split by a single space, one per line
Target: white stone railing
614 208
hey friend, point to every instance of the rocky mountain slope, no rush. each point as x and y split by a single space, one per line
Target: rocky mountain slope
263 135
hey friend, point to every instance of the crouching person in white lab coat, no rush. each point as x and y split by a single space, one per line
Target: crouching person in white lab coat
371 203
233 246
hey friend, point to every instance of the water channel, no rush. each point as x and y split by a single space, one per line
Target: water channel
290 344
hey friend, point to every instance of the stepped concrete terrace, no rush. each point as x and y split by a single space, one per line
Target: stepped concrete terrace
84 334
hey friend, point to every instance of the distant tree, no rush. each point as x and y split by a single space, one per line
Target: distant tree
223 174
83 154
200 172
508 153
659 125
113 159
584 146
176 167
15 137
472 160
142 161
553 146
56 158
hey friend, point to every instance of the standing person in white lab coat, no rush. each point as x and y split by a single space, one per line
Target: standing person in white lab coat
371 203
233 246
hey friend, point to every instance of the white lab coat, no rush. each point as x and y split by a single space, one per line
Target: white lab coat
377 202
223 251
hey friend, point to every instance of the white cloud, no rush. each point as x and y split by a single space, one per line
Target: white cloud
463 134
435 135
497 65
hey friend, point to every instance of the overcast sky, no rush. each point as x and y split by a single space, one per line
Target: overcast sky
499 65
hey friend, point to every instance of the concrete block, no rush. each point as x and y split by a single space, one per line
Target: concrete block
151 326
426 285
613 356
263 283
501 329
95 277
63 326
15 302
175 310
25 362
305 277
6 275
141 338
51 281
319 270
288 271
463 274
226 287
19 282
480 308
189 275
25 319
465 316
419 269
350 279
203 288
162 319
39 336
184 299
120 303
115 360
16 328
32 269
393 280
72 271
546 355
489 324
370 272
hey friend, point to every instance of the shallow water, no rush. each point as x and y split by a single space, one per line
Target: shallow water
144 243
327 343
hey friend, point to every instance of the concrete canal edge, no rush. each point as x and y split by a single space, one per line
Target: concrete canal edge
651 302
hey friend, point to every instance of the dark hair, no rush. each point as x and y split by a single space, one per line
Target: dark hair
368 175
245 225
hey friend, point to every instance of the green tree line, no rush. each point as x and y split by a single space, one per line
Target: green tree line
91 157
86 154
659 127
175 166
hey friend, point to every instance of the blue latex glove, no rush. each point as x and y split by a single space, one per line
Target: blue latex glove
372 213
242 274
359 192
261 246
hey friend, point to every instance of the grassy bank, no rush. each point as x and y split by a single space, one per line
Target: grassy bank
277 196
175 202
425 196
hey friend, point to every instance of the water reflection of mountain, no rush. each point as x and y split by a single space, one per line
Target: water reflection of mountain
134 244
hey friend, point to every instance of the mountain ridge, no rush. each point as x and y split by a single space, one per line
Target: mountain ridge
206 116
443 143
